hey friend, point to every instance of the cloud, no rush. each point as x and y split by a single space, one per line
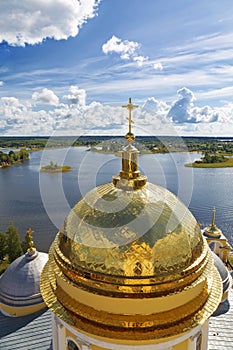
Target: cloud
125 48
205 114
220 93
180 110
76 96
45 97
1 83
153 106
140 60
183 110
158 66
128 50
73 116
30 22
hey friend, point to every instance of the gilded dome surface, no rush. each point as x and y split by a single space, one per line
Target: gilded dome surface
130 262
148 232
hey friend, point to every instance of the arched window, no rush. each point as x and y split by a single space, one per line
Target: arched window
72 346
199 341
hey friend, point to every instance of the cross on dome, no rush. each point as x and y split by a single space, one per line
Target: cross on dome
130 106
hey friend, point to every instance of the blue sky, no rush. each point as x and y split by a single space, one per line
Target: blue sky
67 67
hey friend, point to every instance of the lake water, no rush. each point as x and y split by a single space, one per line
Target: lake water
41 201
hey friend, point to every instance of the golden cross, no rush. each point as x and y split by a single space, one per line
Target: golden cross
130 106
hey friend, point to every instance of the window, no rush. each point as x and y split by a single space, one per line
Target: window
72 346
199 341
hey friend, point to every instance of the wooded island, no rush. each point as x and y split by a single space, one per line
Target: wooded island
54 168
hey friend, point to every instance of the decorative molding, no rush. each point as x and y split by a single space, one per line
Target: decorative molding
169 345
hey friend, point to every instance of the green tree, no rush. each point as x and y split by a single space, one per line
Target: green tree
11 156
4 158
26 242
23 154
14 249
207 158
3 245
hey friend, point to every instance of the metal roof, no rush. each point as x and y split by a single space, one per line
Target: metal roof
26 333
221 325
22 277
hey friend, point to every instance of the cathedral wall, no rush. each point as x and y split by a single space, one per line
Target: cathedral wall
69 338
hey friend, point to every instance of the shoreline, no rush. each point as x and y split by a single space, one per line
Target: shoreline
227 164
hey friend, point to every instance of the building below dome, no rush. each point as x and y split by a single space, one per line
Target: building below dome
225 276
216 239
20 284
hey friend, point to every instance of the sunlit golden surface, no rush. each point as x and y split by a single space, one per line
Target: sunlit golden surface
129 327
131 245
143 233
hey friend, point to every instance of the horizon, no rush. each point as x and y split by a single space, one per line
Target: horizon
112 136
70 68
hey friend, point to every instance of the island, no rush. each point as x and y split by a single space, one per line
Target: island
54 168
214 160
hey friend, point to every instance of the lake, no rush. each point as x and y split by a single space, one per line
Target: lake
41 201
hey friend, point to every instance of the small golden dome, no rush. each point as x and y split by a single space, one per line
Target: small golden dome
212 231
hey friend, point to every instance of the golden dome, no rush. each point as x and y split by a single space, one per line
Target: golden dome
131 265
141 233
130 262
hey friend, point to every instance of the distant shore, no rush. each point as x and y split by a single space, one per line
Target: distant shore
227 164
9 159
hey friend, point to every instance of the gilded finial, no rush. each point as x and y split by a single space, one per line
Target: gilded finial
212 231
213 217
130 106
129 178
31 250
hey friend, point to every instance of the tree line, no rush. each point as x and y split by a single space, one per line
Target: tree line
160 144
11 247
7 159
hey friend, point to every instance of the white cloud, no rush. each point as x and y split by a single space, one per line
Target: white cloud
140 60
76 96
180 111
158 66
46 97
154 117
220 93
153 106
1 83
31 22
125 48
129 50
183 110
